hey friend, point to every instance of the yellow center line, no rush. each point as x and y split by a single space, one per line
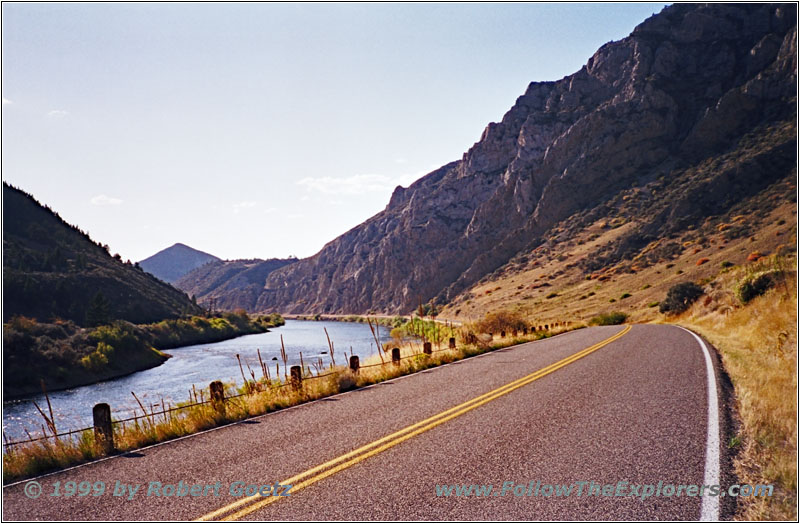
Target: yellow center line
373 448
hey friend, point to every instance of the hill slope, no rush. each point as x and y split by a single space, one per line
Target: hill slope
230 284
688 87
172 263
53 270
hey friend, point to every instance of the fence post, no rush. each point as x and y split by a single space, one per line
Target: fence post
491 336
524 331
452 343
514 333
502 334
354 364
396 356
217 396
426 348
546 327
297 377
103 432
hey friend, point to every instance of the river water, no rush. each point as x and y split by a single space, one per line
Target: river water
198 365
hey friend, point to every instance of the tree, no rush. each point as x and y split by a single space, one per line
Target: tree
99 311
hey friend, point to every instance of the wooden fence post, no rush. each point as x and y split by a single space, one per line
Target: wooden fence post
426 348
525 331
103 432
502 334
491 336
218 396
297 377
354 364
452 343
396 356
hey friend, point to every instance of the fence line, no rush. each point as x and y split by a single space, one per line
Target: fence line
164 411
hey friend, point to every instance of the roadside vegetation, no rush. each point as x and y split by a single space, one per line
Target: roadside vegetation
65 355
270 392
750 315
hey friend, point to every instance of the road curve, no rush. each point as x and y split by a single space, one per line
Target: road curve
598 405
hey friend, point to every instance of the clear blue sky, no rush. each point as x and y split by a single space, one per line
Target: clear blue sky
263 130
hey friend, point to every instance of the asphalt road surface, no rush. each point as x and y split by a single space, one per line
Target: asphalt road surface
598 405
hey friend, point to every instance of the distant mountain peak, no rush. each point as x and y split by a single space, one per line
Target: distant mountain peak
172 263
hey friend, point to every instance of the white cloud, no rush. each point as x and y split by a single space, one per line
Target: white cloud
247 204
7 101
358 184
105 200
57 113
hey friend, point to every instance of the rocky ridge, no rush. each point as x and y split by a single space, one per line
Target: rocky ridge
684 87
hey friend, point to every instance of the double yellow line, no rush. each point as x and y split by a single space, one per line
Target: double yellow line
343 462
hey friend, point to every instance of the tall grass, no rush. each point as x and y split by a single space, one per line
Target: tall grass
758 344
253 398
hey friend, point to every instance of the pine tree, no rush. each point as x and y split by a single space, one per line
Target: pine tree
99 311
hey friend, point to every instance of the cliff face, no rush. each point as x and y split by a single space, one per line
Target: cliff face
682 88
230 284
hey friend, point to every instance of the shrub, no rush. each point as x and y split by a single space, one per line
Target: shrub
552 295
653 304
680 297
756 284
702 261
498 321
624 296
755 255
727 264
609 319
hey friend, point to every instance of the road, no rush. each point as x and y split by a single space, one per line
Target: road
603 404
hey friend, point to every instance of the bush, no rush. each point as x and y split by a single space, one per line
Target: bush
680 297
609 319
624 296
498 321
756 284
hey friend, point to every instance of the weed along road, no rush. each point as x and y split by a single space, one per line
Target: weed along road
500 436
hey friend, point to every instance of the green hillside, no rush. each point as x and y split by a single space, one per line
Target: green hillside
52 270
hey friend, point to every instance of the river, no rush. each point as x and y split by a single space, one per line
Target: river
198 365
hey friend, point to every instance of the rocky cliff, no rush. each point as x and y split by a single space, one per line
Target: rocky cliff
685 86
230 284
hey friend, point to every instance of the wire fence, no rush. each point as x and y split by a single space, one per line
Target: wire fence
251 389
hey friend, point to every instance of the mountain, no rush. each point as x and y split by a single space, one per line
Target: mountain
688 87
230 284
172 263
52 270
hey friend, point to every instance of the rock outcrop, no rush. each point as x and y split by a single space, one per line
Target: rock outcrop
683 87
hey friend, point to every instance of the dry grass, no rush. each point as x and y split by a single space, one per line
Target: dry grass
758 344
255 398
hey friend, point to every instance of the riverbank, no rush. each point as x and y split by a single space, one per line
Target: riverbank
268 392
64 355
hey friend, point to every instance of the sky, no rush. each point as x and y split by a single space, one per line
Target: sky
258 130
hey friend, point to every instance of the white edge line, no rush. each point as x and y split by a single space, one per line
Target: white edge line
304 404
709 510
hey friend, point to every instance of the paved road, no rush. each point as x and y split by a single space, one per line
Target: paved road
633 409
